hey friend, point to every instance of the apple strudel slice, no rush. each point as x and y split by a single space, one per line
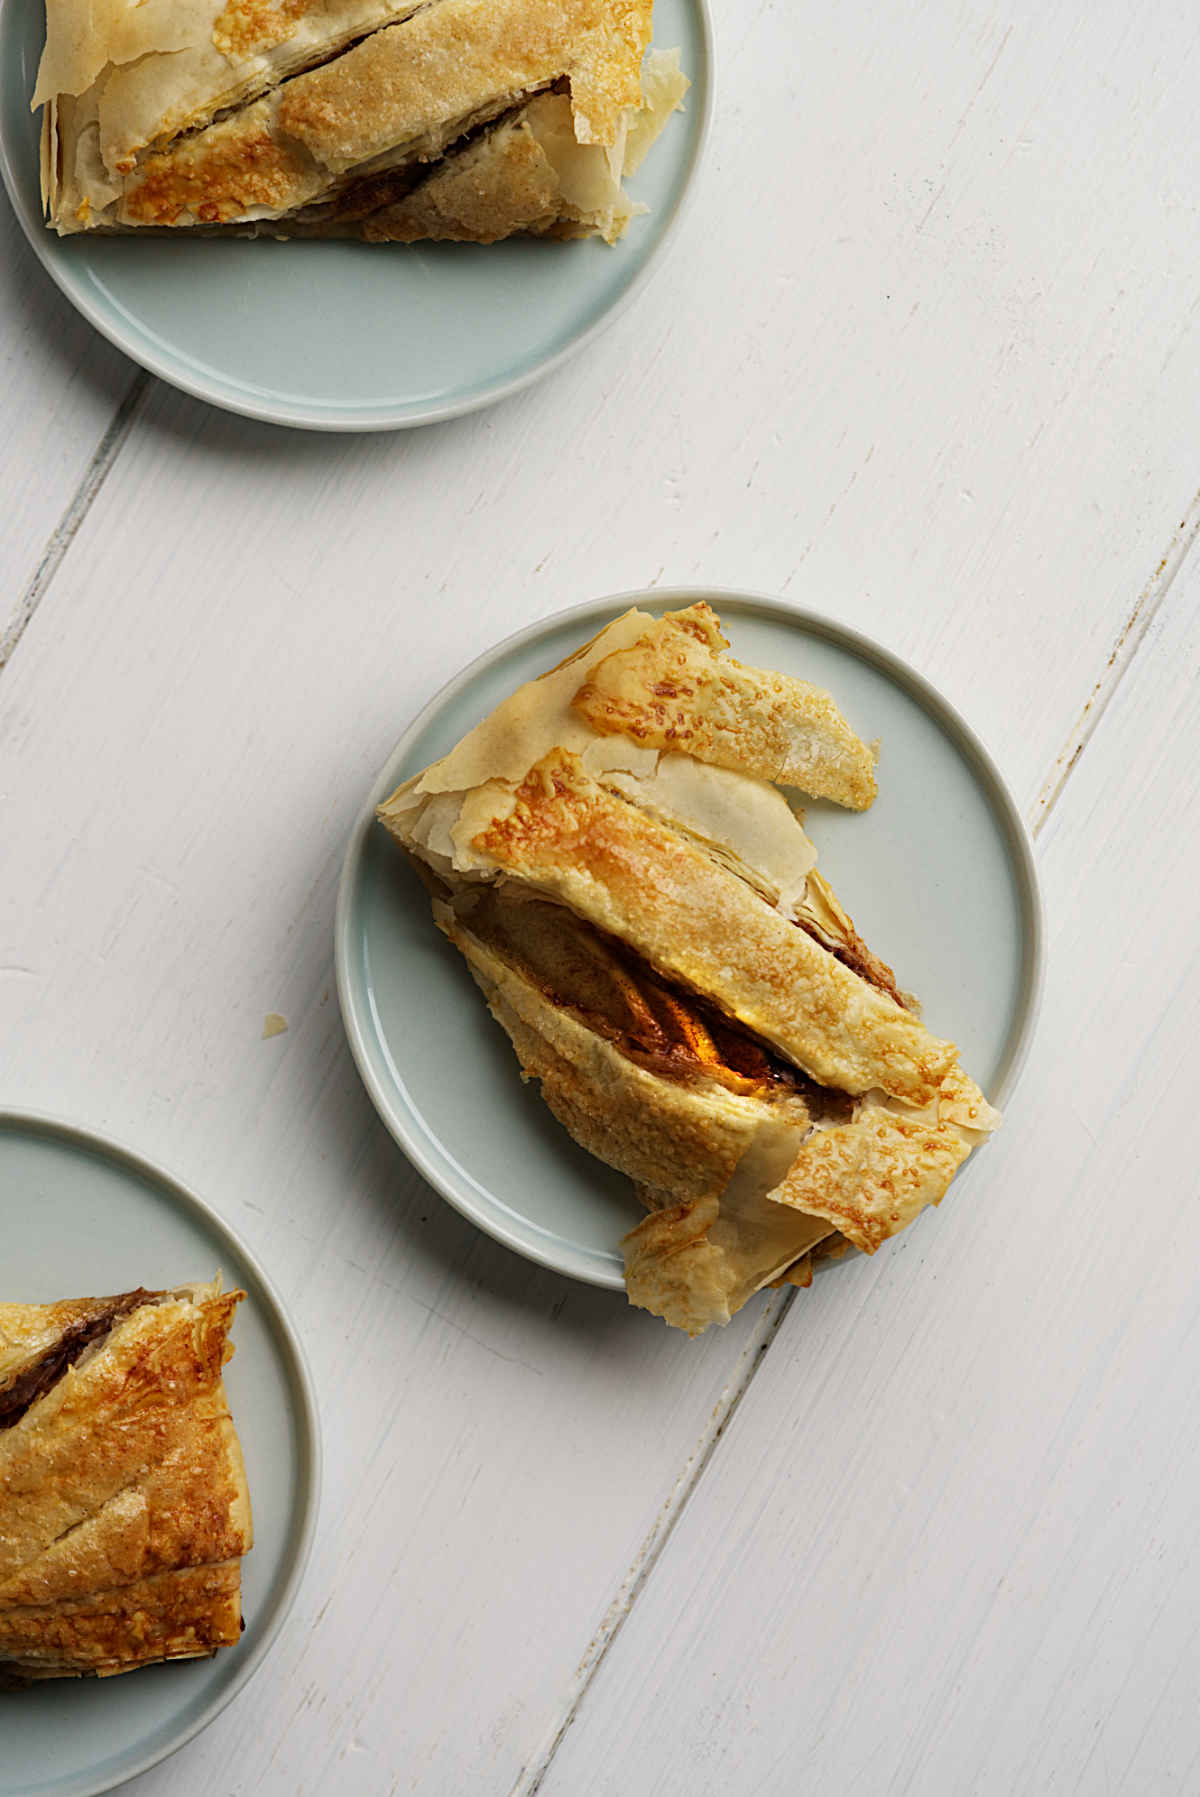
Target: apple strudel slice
390 120
124 1512
640 905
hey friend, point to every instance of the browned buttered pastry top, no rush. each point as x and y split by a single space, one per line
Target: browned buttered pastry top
124 1512
386 120
618 854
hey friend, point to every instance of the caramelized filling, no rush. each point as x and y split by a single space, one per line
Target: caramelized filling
45 1372
828 925
655 1022
855 955
365 194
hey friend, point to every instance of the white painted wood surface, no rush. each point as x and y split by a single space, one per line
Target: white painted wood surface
947 1541
66 399
924 356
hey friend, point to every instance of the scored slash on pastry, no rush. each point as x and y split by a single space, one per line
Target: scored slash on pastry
641 908
385 120
124 1513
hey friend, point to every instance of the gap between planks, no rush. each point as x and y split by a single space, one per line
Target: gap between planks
647 1557
93 478
1125 649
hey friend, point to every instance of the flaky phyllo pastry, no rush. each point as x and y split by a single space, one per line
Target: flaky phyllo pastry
124 1512
389 120
642 910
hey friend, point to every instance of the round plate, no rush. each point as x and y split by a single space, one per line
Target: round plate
350 336
938 877
85 1216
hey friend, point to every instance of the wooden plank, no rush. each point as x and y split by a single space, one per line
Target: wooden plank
947 1543
62 388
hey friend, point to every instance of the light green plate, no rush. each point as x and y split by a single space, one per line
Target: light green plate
938 876
345 336
82 1216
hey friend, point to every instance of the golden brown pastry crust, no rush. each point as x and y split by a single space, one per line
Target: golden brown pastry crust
686 1137
855 1182
527 173
592 881
125 1475
697 1263
150 146
498 186
31 1332
221 54
851 1183
467 59
695 921
675 689
672 1270
799 1274
869 1178
176 1615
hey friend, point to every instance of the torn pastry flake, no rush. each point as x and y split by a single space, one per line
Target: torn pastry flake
675 689
124 1512
642 910
386 120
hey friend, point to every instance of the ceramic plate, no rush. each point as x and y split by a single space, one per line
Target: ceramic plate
345 336
938 876
83 1216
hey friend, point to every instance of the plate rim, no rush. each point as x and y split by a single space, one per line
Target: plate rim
1018 843
145 354
56 1128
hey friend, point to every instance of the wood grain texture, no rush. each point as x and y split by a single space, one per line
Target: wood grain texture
61 389
924 356
947 1542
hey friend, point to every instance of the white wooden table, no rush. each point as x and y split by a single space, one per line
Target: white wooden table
925 356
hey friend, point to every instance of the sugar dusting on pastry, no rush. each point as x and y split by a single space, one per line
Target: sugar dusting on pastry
393 121
124 1509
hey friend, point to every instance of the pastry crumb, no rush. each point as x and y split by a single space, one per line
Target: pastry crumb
273 1025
